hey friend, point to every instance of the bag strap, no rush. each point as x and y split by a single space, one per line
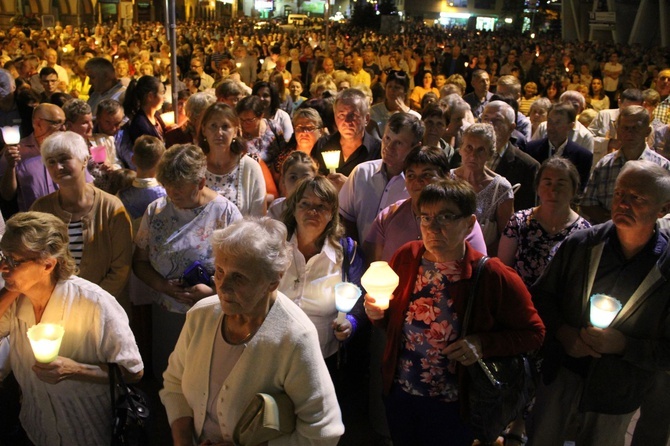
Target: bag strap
473 293
111 373
348 255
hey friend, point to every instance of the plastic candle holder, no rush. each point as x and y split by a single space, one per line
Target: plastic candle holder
332 159
603 310
379 282
346 296
45 341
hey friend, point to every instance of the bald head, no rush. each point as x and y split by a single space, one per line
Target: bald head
47 119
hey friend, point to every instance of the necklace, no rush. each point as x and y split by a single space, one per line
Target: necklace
227 339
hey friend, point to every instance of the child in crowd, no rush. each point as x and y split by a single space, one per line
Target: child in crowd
297 165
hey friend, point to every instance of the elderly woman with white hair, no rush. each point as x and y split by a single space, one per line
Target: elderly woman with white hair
98 224
248 339
186 133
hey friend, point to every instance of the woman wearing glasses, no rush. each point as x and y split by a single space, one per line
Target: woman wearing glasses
237 177
425 360
308 127
65 401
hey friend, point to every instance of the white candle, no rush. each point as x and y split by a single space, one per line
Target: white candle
11 135
168 118
603 310
45 341
346 296
332 159
379 282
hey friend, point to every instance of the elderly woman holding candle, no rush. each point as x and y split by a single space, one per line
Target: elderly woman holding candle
65 401
425 355
249 338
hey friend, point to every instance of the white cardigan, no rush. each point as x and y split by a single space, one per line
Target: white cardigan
283 356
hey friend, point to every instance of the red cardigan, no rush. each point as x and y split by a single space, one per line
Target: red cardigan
503 316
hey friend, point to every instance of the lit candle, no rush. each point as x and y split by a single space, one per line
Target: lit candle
238 64
332 159
379 282
603 310
11 135
45 341
168 118
346 296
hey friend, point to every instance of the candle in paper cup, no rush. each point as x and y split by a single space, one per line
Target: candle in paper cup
45 341
603 310
99 154
168 118
11 135
332 159
379 282
346 296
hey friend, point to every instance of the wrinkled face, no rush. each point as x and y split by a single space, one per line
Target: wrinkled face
447 236
22 272
184 195
241 288
65 169
475 151
306 133
435 127
537 115
83 125
631 131
501 125
395 147
51 57
481 83
350 121
663 83
634 205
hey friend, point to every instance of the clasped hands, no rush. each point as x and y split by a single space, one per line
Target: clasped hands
591 341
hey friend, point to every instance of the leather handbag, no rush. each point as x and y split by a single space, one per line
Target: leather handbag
267 417
130 411
499 387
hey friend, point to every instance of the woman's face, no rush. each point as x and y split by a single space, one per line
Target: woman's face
555 187
185 195
306 134
219 132
83 125
427 80
249 121
455 122
474 152
445 239
64 168
26 272
596 85
537 115
156 99
265 97
417 176
530 91
241 287
312 213
294 174
551 92
295 88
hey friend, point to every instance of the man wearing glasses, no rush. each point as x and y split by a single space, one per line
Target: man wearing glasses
206 81
24 176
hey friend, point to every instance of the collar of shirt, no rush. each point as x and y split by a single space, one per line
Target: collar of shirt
145 183
328 249
557 151
495 159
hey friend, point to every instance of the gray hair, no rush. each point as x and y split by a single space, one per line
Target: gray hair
484 132
182 163
636 111
67 142
541 103
261 240
74 108
101 66
510 85
573 96
355 98
504 108
658 178
308 113
196 104
7 83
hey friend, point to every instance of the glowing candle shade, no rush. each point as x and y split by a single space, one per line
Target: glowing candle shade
45 341
332 159
603 310
168 118
346 296
380 281
11 135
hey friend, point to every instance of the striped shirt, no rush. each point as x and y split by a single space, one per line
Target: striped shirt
75 231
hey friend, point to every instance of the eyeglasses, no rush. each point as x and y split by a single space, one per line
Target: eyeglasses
306 129
440 219
249 120
306 206
11 262
52 122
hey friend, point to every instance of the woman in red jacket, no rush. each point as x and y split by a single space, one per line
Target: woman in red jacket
424 356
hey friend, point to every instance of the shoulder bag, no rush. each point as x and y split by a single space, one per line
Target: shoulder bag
499 388
130 411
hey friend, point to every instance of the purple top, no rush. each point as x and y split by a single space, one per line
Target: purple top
396 225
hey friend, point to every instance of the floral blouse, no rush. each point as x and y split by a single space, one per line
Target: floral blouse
431 323
535 247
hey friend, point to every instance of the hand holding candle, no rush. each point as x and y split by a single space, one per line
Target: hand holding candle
603 310
332 160
168 119
346 296
380 281
11 135
45 340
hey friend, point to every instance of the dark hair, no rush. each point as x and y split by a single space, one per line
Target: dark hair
428 99
275 101
631 95
59 98
566 109
250 103
433 111
147 151
219 108
400 121
559 163
194 76
324 106
109 106
450 190
47 71
137 93
429 155
399 77
298 157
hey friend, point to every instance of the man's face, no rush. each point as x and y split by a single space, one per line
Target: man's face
502 127
357 64
51 58
196 65
350 121
481 83
110 123
558 128
47 122
49 83
395 147
635 207
663 83
394 91
631 131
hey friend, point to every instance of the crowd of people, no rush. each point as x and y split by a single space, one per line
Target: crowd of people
199 243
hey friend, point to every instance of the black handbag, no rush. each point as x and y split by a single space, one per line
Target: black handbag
130 411
499 388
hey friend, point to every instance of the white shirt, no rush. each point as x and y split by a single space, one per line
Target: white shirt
311 286
603 128
579 134
367 192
